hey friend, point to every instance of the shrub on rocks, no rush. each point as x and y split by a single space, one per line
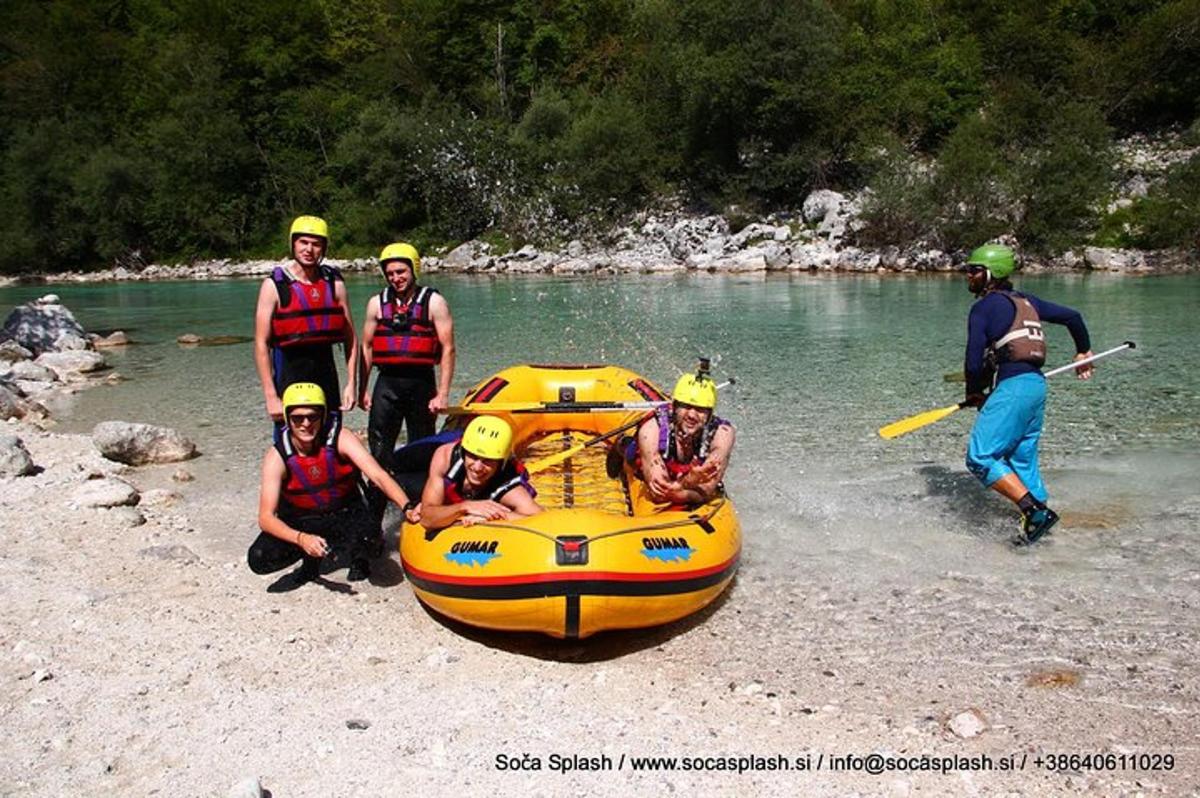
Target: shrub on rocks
14 457
140 444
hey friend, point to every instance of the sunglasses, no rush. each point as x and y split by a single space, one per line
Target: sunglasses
975 269
302 419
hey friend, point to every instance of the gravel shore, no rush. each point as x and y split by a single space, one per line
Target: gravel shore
140 656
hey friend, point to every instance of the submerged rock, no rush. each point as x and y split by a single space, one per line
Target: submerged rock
118 338
139 444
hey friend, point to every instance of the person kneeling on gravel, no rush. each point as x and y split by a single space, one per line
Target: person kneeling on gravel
312 491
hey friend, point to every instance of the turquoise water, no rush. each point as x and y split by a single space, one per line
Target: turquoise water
821 363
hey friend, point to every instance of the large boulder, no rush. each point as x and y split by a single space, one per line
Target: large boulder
14 457
72 364
139 444
42 326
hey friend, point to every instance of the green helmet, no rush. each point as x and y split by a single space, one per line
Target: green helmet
997 259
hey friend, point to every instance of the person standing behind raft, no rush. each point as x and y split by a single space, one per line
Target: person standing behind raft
311 492
302 312
477 479
407 331
682 453
1006 346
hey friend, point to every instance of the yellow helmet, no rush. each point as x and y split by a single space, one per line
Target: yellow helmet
308 226
401 251
488 437
303 394
696 390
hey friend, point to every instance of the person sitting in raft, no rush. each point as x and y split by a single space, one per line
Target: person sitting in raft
476 479
312 491
682 451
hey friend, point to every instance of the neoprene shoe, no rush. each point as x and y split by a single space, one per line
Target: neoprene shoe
360 569
1036 524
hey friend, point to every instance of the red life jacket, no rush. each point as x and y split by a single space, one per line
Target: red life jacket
406 335
511 474
668 445
320 482
307 314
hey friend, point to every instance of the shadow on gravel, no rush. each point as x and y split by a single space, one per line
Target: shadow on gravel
974 509
597 648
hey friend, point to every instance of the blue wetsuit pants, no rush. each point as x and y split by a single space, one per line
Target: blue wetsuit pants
1005 437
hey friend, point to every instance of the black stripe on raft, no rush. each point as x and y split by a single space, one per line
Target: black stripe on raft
571 625
567 587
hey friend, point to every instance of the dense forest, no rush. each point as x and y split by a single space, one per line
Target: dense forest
138 130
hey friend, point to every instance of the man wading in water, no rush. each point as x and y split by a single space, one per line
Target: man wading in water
1006 348
302 312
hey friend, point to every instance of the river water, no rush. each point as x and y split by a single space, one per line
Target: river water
821 363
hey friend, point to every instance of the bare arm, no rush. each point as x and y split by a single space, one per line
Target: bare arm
350 344
268 299
520 503
443 322
702 482
654 470
350 447
370 323
273 473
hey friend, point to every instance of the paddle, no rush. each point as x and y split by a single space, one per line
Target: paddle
906 425
567 454
481 408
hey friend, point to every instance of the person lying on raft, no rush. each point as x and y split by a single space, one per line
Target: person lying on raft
477 479
682 452
311 493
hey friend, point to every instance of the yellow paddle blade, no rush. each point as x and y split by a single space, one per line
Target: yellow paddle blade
906 425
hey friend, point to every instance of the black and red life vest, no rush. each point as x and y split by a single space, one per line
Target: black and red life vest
320 482
511 474
308 313
405 334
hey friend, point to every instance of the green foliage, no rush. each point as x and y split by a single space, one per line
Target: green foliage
146 129
1169 216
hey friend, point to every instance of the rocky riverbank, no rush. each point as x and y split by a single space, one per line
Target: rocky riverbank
815 238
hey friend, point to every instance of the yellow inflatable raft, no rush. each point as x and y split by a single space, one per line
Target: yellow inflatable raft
602 556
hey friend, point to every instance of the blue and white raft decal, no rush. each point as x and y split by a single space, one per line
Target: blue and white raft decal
473 552
667 549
